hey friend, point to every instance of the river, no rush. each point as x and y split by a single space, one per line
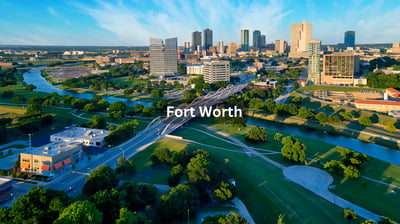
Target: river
370 149
33 77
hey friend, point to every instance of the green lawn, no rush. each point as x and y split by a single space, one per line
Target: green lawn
261 186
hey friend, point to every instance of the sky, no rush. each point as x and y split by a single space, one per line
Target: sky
133 22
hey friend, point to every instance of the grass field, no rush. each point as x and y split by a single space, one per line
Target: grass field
261 186
9 110
337 88
373 196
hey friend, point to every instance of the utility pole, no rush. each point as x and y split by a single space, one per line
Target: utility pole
188 214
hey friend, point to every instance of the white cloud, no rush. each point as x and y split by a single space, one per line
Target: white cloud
180 18
52 11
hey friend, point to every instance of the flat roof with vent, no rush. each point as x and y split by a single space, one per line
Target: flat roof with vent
54 148
79 133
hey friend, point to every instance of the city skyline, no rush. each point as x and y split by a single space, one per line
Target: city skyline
131 23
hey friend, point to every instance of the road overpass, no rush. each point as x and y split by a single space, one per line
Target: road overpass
157 129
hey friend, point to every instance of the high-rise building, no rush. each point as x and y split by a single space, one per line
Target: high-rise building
350 38
232 48
220 47
261 41
314 51
256 35
186 47
207 38
244 40
196 40
163 56
215 71
339 68
300 35
280 46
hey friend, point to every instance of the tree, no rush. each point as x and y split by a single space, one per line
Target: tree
138 108
256 134
175 175
33 110
125 167
231 218
189 95
370 222
352 172
39 205
293 149
365 121
224 192
138 195
90 107
280 219
278 136
198 170
128 217
321 117
157 93
115 114
102 178
109 203
35 100
30 87
386 220
178 202
390 126
161 105
79 104
117 106
97 121
335 166
349 214
80 212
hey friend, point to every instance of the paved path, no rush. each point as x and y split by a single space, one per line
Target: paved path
318 182
18 142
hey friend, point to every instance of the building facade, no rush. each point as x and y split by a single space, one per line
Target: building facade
196 40
300 35
280 46
207 39
244 37
232 48
163 57
350 38
6 193
256 35
186 47
195 69
220 47
378 105
215 71
314 72
52 158
339 69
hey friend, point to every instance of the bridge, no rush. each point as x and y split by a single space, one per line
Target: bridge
158 128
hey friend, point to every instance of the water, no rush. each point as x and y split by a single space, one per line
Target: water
370 149
33 77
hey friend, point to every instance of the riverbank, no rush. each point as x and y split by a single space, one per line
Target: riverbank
330 128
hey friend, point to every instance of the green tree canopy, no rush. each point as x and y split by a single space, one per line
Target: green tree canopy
293 149
102 178
80 212
97 121
256 134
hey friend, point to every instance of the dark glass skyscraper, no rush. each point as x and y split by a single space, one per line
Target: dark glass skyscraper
256 36
196 40
207 38
244 40
163 56
350 38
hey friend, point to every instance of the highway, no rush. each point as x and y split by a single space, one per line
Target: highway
144 138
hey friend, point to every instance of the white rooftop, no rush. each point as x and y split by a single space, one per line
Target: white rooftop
4 180
79 133
54 148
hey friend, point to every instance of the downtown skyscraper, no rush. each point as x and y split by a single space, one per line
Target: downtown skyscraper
196 41
256 36
350 38
163 56
244 37
207 39
314 68
300 35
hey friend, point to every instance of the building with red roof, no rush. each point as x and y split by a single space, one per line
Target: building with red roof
377 105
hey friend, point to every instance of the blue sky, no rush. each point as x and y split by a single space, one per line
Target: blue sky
132 22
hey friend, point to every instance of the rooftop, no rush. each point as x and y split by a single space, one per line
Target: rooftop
378 102
79 133
54 148
4 180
